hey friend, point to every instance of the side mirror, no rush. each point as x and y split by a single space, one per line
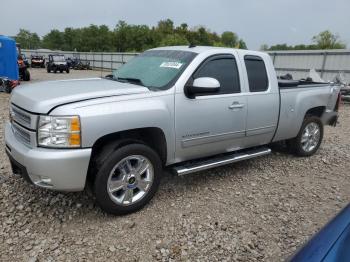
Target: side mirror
203 85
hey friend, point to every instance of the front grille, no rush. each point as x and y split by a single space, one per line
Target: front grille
22 134
20 117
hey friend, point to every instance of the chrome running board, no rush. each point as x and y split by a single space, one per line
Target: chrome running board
200 165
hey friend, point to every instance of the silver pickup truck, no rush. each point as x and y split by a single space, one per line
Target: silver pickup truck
186 109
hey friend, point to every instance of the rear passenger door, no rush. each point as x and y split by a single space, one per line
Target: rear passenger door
263 100
213 123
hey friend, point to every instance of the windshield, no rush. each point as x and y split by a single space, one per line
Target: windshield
157 69
59 58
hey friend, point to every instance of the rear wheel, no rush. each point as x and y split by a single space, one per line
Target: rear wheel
309 137
127 178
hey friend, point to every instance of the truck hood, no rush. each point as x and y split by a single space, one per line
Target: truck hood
42 97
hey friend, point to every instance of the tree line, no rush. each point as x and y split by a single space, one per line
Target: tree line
127 38
324 40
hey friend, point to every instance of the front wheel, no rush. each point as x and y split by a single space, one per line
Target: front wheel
127 179
309 137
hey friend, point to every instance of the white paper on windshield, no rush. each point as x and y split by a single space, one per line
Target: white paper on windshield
175 65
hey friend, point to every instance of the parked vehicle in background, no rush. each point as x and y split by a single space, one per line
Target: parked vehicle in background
7 85
330 244
57 63
25 60
71 61
82 65
23 64
24 73
78 64
37 61
183 108
345 91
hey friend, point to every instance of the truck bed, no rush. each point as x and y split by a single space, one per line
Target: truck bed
297 98
285 84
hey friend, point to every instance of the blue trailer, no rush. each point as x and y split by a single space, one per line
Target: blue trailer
8 58
9 69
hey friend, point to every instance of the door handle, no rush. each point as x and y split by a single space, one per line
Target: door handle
236 105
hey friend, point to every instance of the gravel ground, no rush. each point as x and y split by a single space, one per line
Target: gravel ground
257 210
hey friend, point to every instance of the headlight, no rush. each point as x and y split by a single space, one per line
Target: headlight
59 131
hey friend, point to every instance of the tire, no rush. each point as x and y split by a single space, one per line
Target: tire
26 76
55 70
128 183
61 71
298 145
8 89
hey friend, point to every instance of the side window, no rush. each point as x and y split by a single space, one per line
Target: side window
224 69
257 76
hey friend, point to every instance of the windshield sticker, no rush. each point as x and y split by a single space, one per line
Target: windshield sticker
175 65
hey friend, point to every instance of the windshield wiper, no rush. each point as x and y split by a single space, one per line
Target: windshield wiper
131 80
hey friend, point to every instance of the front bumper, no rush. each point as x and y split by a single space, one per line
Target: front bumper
57 169
61 67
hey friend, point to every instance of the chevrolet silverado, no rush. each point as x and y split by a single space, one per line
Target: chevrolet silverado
185 109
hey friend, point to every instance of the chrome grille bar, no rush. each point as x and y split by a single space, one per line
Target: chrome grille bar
22 134
23 117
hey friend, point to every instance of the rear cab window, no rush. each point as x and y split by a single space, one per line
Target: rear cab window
257 74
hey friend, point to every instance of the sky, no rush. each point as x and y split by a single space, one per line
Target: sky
257 22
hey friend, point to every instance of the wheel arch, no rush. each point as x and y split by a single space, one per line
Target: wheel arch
315 111
153 137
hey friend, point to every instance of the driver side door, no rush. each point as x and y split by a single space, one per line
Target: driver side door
211 123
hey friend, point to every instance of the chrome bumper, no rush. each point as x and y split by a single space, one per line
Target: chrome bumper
63 170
